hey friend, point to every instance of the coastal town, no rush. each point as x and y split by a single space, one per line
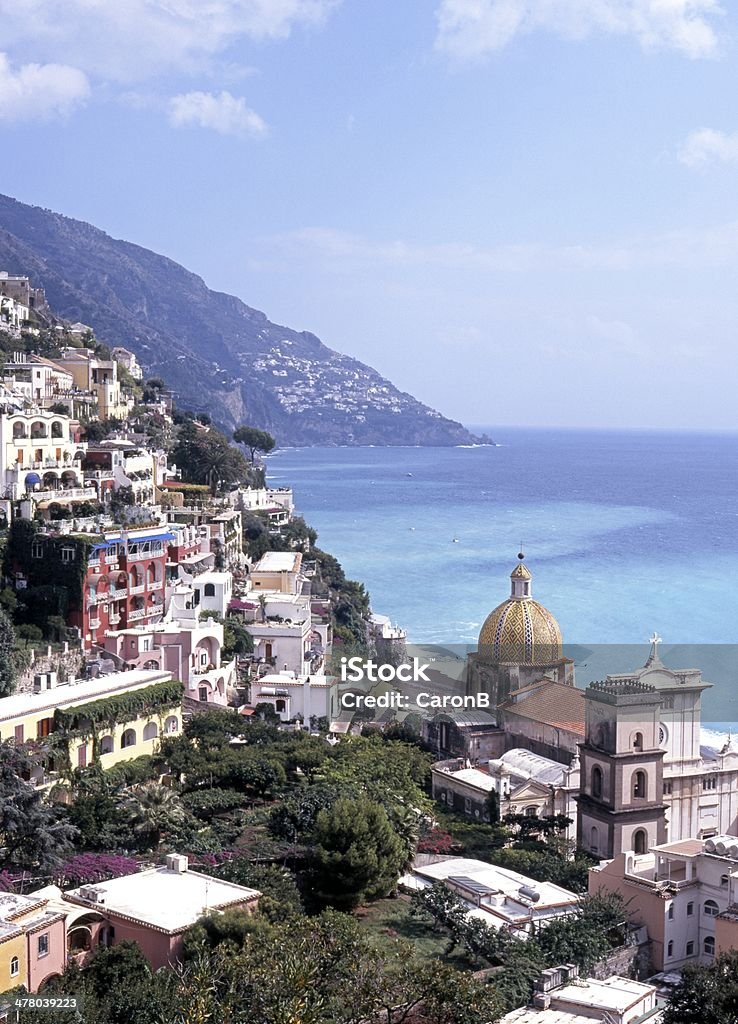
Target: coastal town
201 820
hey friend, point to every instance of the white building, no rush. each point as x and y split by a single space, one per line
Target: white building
497 896
279 571
40 457
127 359
525 783
294 696
562 997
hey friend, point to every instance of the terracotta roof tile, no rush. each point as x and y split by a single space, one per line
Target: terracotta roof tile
555 704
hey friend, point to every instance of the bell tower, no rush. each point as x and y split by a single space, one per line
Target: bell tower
621 790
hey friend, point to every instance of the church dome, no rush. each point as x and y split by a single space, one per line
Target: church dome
520 631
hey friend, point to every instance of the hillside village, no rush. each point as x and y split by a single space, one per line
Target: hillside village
181 789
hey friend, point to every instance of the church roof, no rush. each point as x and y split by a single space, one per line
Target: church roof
552 704
520 631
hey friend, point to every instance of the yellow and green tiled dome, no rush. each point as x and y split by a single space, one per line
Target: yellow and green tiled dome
520 631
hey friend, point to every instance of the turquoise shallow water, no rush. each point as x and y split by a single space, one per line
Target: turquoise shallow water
624 533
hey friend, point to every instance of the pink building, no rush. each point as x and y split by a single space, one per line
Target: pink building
153 908
185 645
32 941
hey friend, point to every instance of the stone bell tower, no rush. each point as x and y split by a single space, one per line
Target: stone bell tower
621 790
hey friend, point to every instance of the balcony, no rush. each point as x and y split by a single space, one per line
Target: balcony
114 619
139 589
155 585
139 613
66 494
94 623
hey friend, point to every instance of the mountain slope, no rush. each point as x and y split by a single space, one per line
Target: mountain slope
217 353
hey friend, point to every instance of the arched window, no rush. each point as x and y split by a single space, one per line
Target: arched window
531 812
281 707
670 948
171 724
151 731
639 785
638 741
19 430
209 590
14 967
711 908
597 782
38 429
57 429
640 842
106 745
594 839
709 945
128 739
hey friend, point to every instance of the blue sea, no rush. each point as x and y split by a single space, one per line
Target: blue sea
625 533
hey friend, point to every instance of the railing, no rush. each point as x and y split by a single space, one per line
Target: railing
139 613
141 555
114 620
155 585
65 494
140 589
118 593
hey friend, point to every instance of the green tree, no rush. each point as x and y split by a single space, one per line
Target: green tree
33 834
8 658
255 440
706 993
152 810
356 855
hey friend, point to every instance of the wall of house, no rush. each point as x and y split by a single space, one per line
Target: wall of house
10 948
41 968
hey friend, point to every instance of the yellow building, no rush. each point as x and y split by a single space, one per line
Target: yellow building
99 376
113 718
32 941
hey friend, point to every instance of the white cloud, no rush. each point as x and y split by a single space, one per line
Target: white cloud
221 112
39 90
347 254
707 145
131 40
472 29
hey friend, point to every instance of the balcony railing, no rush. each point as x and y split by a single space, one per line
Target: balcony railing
94 623
139 613
66 494
140 589
155 585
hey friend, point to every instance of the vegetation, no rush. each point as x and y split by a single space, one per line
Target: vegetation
255 440
706 993
205 456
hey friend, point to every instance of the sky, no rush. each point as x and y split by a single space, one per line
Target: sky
523 212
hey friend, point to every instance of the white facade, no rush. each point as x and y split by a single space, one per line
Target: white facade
499 897
294 696
38 454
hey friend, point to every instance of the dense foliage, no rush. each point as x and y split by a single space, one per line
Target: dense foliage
706 993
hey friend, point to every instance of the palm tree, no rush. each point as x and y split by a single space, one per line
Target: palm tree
152 810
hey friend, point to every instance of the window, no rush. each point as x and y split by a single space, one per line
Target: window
171 725
467 805
203 693
724 880
670 948
638 741
43 944
531 812
150 731
14 967
67 554
711 908
209 590
667 789
128 739
106 745
639 785
709 783
640 842
594 839
597 781
670 912
37 549
690 909
709 945
690 949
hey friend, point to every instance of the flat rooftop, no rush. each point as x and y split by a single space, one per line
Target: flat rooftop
166 900
496 879
279 561
68 694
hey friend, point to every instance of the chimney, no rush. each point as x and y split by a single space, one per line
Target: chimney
177 862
